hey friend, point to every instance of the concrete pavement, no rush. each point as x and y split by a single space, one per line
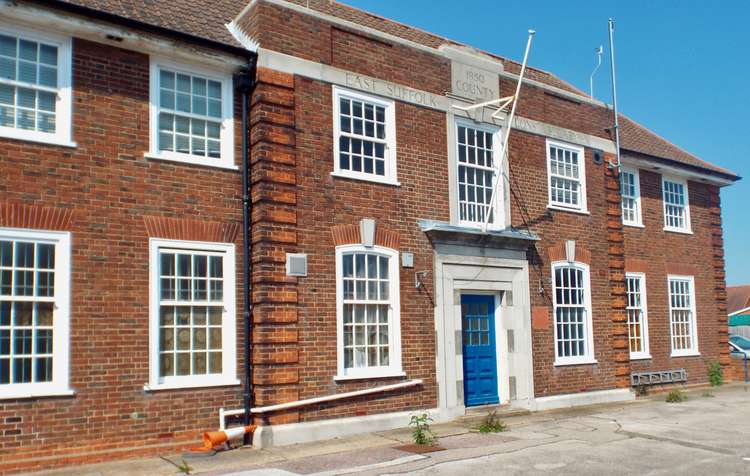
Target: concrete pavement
704 435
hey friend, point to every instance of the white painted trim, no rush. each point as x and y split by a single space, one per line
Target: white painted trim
336 396
394 321
569 210
64 102
580 399
498 207
582 205
638 222
293 433
247 42
227 114
693 351
391 149
645 354
661 168
60 384
50 19
229 320
687 229
589 357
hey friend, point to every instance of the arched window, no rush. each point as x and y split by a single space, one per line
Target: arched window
367 310
572 308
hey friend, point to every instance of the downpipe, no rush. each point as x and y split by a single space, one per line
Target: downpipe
245 81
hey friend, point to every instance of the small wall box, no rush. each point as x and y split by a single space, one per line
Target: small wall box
407 260
296 264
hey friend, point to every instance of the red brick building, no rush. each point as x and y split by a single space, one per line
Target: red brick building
121 231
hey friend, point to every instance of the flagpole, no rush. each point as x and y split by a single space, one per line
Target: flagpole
504 145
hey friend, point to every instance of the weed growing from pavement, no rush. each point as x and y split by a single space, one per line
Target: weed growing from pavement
708 394
422 433
492 424
715 374
641 390
676 396
183 467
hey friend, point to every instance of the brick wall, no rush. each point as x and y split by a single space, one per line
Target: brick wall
333 201
660 253
107 187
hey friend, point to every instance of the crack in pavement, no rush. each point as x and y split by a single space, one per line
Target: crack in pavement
665 439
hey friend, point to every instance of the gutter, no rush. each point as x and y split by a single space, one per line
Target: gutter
143 26
246 83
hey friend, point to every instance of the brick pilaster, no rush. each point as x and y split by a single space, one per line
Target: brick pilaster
720 283
274 233
616 244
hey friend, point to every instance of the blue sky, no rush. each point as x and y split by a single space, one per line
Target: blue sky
682 70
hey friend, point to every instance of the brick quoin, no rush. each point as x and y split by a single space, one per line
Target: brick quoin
113 200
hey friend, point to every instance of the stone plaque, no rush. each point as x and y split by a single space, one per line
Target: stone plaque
474 83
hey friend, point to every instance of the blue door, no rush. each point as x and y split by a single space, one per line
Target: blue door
480 354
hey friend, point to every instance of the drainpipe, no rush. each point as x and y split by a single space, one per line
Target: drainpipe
246 84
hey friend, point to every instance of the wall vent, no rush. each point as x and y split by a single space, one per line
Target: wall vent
296 264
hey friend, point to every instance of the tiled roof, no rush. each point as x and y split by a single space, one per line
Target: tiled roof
207 18
200 18
636 138
738 298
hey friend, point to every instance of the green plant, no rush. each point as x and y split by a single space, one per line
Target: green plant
641 390
422 433
492 424
676 396
715 374
183 467
707 394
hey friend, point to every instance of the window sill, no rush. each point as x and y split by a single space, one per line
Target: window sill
188 384
570 210
384 374
203 162
640 357
678 230
40 393
478 226
38 140
685 354
568 363
634 225
374 179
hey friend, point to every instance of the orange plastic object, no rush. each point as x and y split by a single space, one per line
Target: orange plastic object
212 439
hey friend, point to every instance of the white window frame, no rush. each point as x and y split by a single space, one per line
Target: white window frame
63 106
229 322
693 351
60 384
498 207
226 161
394 368
638 222
589 356
687 229
644 353
390 177
582 203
